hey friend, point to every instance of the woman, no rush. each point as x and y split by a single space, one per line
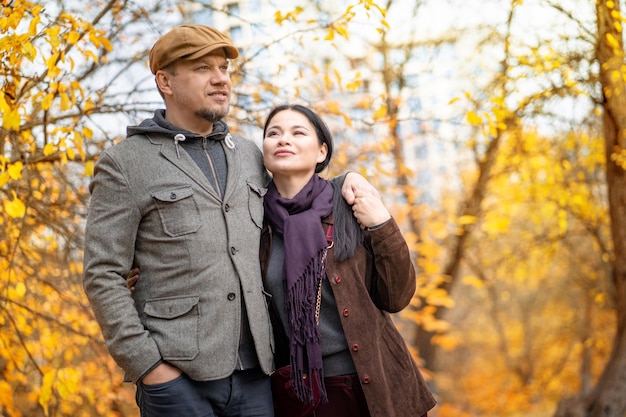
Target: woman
334 272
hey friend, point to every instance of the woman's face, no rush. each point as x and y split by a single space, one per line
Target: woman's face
291 146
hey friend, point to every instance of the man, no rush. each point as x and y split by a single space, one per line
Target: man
181 198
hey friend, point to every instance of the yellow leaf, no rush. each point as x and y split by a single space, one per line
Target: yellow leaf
53 70
6 393
65 101
380 113
612 41
89 105
47 101
73 37
88 133
473 119
20 290
107 44
15 170
46 391
473 281
29 51
338 76
278 18
447 341
341 29
16 207
353 86
32 27
49 149
440 297
4 178
11 119
331 34
91 55
463 220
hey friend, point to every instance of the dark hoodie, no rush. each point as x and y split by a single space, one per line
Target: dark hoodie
208 154
206 151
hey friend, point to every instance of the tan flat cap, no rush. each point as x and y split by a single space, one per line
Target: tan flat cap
189 42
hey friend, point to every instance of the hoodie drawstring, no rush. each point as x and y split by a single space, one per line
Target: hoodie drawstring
178 138
229 141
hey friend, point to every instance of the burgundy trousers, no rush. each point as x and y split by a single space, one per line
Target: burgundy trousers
345 398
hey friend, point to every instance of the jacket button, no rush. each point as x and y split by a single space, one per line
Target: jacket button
173 196
355 347
338 279
231 296
366 379
346 312
233 251
226 208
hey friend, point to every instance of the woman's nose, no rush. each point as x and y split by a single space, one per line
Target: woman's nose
284 139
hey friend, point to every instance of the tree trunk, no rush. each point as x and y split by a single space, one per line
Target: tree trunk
608 399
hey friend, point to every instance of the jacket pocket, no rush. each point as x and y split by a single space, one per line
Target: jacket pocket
173 324
255 202
178 211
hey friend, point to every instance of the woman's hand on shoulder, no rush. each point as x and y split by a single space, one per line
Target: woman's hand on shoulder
355 183
369 210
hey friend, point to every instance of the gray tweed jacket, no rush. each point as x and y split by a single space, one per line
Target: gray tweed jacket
198 256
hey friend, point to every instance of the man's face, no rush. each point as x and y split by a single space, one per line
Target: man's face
202 86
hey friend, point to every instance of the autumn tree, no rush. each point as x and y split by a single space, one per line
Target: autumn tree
608 398
60 91
534 289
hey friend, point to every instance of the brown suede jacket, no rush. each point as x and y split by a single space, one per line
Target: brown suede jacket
379 279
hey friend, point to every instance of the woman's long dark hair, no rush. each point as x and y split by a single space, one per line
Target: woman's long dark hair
347 231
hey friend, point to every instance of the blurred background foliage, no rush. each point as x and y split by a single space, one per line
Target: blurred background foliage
493 129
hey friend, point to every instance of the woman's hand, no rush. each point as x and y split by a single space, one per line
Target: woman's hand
132 278
369 210
355 183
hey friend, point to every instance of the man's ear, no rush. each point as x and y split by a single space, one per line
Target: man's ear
164 82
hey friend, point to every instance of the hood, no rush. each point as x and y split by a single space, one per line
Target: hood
158 125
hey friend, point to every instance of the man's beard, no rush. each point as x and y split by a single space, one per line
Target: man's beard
212 115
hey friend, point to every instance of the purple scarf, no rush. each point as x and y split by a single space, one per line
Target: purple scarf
298 220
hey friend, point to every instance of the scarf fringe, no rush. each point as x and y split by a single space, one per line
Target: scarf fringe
301 309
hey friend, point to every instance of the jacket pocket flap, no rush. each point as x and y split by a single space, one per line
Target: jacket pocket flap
260 190
170 308
173 195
